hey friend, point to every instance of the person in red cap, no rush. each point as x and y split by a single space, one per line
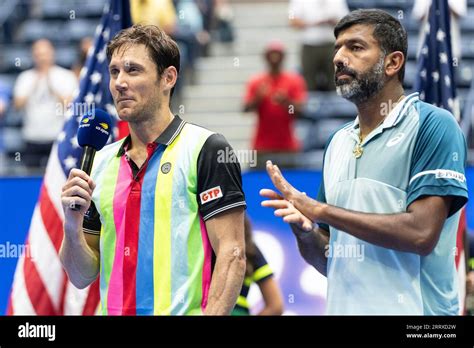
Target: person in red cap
278 97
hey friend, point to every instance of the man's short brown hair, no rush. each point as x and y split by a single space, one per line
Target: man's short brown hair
162 49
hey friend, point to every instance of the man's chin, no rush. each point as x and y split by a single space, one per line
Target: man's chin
125 115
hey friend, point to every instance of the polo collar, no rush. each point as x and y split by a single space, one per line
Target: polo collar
396 115
165 138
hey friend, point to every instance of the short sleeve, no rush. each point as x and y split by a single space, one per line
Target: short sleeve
439 159
250 90
299 92
219 182
61 76
262 270
91 223
21 85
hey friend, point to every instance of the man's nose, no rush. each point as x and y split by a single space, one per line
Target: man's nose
340 59
121 83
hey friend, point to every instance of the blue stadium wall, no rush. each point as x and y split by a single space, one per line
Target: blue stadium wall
303 288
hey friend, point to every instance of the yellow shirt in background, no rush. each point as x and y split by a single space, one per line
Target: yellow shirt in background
161 13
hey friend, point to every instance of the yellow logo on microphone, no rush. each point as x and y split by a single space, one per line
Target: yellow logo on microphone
104 125
85 120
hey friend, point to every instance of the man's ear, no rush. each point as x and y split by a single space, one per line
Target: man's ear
393 63
169 77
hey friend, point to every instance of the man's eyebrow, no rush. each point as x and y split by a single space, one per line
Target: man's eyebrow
351 42
127 64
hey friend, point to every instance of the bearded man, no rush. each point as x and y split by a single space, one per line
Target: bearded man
392 188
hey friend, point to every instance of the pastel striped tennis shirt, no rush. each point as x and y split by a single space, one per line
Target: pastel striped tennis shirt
155 254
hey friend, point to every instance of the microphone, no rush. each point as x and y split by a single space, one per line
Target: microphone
93 133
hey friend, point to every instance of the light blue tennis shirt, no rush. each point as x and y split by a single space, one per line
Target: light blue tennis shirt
419 150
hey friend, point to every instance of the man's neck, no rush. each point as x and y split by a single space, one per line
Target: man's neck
275 72
146 132
373 112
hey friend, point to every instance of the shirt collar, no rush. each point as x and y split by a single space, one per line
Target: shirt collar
165 138
396 114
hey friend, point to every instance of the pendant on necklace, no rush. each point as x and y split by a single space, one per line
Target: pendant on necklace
358 151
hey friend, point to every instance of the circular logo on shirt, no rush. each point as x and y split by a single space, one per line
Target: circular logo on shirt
395 140
166 167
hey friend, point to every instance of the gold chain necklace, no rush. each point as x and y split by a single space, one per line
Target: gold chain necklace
358 149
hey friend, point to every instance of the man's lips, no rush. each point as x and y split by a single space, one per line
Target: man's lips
124 100
343 75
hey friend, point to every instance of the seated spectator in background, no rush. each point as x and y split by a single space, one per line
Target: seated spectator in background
43 92
458 8
161 13
4 99
4 103
207 10
258 271
190 32
84 46
316 20
278 97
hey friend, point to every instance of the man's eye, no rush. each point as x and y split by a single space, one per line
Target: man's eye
357 48
113 72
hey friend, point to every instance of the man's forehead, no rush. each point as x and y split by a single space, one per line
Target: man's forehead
129 53
362 32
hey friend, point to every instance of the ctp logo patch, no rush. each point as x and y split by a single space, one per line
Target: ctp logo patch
211 195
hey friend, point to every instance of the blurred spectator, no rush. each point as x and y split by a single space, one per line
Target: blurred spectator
43 93
161 13
224 16
458 8
84 46
258 271
4 103
207 10
316 20
190 33
4 99
277 96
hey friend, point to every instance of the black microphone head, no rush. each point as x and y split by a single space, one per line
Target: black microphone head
94 129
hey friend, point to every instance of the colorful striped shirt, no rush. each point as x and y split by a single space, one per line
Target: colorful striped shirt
155 255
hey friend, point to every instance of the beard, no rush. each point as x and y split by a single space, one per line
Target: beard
362 86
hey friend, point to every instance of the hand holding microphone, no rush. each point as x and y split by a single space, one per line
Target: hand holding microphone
93 133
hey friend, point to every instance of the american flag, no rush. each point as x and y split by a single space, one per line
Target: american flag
436 84
40 285
435 67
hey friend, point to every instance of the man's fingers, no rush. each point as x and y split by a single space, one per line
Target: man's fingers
284 212
77 191
270 194
275 204
299 220
77 172
77 181
277 179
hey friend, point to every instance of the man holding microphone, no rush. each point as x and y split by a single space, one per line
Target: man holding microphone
161 219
